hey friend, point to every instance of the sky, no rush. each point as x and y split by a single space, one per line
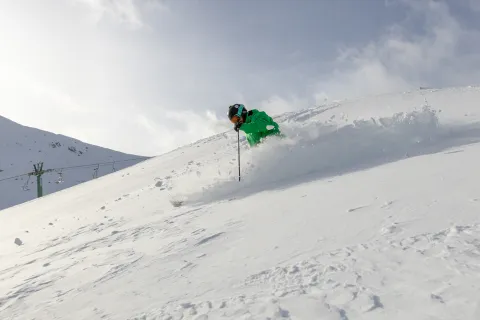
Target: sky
148 76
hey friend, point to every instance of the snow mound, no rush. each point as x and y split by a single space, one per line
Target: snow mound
316 150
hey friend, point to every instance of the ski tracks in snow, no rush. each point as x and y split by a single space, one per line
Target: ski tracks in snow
95 254
376 280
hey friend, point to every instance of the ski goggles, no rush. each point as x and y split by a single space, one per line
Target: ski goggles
237 117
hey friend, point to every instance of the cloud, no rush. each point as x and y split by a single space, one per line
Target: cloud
429 48
185 127
73 76
127 12
277 105
145 77
474 5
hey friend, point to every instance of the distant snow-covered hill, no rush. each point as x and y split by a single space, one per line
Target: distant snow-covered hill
74 162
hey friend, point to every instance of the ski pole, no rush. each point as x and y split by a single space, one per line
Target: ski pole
238 140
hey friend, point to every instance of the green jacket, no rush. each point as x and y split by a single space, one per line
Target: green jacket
255 126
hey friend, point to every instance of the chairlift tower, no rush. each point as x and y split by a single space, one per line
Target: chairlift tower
38 172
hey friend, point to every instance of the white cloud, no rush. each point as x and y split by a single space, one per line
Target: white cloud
277 105
474 4
128 12
66 75
139 77
185 127
403 60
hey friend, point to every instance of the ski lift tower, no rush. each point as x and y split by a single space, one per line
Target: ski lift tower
38 172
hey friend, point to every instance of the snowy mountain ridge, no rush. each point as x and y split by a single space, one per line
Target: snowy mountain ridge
22 147
367 210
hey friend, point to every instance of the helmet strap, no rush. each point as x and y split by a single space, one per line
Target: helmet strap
240 109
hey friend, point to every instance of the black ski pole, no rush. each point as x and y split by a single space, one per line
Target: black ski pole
238 140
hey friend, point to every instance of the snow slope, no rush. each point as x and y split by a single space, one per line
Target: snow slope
369 210
21 147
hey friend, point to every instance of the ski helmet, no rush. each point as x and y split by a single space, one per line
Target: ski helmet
236 110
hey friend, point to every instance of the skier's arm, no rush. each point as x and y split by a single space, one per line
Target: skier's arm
258 124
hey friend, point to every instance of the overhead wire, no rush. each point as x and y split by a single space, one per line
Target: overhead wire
78 166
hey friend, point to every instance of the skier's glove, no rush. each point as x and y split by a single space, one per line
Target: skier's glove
237 126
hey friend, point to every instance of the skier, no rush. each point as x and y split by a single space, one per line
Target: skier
256 124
